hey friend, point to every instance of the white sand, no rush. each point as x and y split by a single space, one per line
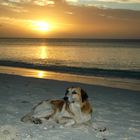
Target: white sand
117 110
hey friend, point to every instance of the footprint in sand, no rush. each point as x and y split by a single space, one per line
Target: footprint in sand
8 132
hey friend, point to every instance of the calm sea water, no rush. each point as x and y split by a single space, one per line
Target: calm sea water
101 54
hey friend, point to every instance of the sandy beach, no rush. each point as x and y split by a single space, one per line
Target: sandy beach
47 47
115 109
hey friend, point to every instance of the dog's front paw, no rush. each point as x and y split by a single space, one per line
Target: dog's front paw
36 121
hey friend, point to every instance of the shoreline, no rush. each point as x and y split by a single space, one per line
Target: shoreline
87 71
124 83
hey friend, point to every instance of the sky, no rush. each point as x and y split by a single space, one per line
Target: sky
70 18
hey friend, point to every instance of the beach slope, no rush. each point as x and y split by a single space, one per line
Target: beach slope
116 111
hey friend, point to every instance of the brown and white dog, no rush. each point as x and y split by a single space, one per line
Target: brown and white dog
73 109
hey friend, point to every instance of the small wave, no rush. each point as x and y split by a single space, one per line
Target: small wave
76 70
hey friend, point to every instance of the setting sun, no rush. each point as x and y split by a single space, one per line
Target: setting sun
41 26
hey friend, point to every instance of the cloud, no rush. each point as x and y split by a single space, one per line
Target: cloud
92 21
31 2
18 5
44 2
92 1
14 6
119 1
114 4
11 20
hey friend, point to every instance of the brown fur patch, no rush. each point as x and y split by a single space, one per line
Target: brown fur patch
86 107
57 104
84 95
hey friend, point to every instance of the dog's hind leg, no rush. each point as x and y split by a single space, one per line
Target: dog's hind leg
66 121
27 117
36 120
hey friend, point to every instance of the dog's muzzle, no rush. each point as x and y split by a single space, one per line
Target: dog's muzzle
67 99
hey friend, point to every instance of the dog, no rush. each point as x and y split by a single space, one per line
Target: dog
73 109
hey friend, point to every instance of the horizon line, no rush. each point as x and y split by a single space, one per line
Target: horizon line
69 38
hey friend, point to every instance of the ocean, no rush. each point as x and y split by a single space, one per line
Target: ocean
100 57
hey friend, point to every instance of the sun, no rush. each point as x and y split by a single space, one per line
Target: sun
41 26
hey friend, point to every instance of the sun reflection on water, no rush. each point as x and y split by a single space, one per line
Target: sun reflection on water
43 52
41 74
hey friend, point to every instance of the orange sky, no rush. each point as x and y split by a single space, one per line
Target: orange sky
70 18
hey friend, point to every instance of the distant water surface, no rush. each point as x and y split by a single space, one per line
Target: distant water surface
101 54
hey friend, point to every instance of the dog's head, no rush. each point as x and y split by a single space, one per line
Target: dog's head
75 94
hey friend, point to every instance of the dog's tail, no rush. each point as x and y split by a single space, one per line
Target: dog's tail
27 118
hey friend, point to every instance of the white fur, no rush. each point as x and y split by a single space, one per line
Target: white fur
70 113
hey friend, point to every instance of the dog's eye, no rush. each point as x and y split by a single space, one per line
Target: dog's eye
74 92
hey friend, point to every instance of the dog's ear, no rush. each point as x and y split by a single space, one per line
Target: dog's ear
84 95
